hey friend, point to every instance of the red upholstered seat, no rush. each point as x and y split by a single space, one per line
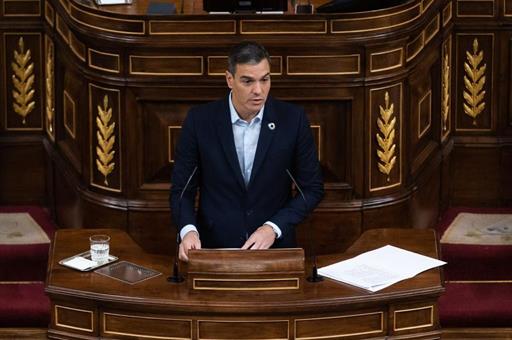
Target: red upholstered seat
23 302
475 262
476 305
24 305
26 262
484 298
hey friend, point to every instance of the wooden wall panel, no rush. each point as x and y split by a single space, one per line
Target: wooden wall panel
71 123
23 172
474 176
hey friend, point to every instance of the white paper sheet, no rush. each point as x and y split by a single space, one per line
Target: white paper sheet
380 268
80 263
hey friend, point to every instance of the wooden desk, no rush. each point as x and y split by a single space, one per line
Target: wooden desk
92 306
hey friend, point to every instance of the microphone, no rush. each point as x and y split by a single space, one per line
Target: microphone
315 277
176 277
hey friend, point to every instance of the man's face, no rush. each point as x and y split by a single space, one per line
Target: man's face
250 86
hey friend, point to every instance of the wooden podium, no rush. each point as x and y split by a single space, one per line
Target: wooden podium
87 305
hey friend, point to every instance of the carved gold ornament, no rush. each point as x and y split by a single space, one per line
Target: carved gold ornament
386 123
474 82
23 81
50 110
445 88
106 140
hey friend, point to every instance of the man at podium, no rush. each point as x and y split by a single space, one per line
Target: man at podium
243 152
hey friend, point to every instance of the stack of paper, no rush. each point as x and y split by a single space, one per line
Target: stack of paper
380 268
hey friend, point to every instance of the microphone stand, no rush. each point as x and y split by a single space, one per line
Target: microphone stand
176 277
315 277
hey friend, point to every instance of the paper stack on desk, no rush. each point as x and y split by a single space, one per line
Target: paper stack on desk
380 268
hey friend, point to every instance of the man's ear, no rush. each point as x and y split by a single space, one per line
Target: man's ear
229 79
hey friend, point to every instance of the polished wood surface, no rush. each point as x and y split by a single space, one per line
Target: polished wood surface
92 304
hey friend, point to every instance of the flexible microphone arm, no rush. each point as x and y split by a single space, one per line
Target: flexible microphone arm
176 277
315 277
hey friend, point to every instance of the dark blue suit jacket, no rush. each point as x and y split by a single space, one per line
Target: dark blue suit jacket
228 210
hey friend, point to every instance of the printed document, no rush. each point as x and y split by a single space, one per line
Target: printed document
380 268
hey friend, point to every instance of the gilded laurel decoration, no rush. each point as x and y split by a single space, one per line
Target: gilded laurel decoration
445 89
23 80
474 82
50 110
386 123
106 140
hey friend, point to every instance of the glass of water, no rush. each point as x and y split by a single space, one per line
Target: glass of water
99 248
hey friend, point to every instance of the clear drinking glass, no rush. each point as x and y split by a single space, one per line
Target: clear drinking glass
99 248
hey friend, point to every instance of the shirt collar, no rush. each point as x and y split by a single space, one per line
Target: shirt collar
234 115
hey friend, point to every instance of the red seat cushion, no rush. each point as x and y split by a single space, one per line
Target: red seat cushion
24 305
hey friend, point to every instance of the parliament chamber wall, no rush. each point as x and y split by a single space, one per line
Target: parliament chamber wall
409 107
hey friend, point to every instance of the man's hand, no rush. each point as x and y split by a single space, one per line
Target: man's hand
190 241
262 238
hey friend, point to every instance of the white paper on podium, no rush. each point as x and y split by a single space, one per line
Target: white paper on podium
80 263
380 268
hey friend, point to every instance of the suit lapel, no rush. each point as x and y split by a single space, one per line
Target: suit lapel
225 134
269 127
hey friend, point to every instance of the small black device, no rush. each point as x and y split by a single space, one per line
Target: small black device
234 6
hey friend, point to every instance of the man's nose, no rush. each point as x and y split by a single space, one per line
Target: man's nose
257 87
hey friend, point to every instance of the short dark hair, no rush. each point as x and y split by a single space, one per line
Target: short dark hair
246 52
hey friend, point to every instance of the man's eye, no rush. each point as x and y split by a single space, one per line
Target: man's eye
247 81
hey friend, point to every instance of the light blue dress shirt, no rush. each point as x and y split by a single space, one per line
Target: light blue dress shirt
246 135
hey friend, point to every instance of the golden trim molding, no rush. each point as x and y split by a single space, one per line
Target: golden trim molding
430 324
292 30
62 28
198 325
21 14
476 15
170 150
106 331
381 316
447 13
427 127
341 56
50 88
71 130
295 286
57 323
418 7
91 51
49 13
390 67
210 23
436 24
144 73
419 47
319 145
103 18
446 86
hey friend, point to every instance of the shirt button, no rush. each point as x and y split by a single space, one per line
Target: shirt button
248 212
